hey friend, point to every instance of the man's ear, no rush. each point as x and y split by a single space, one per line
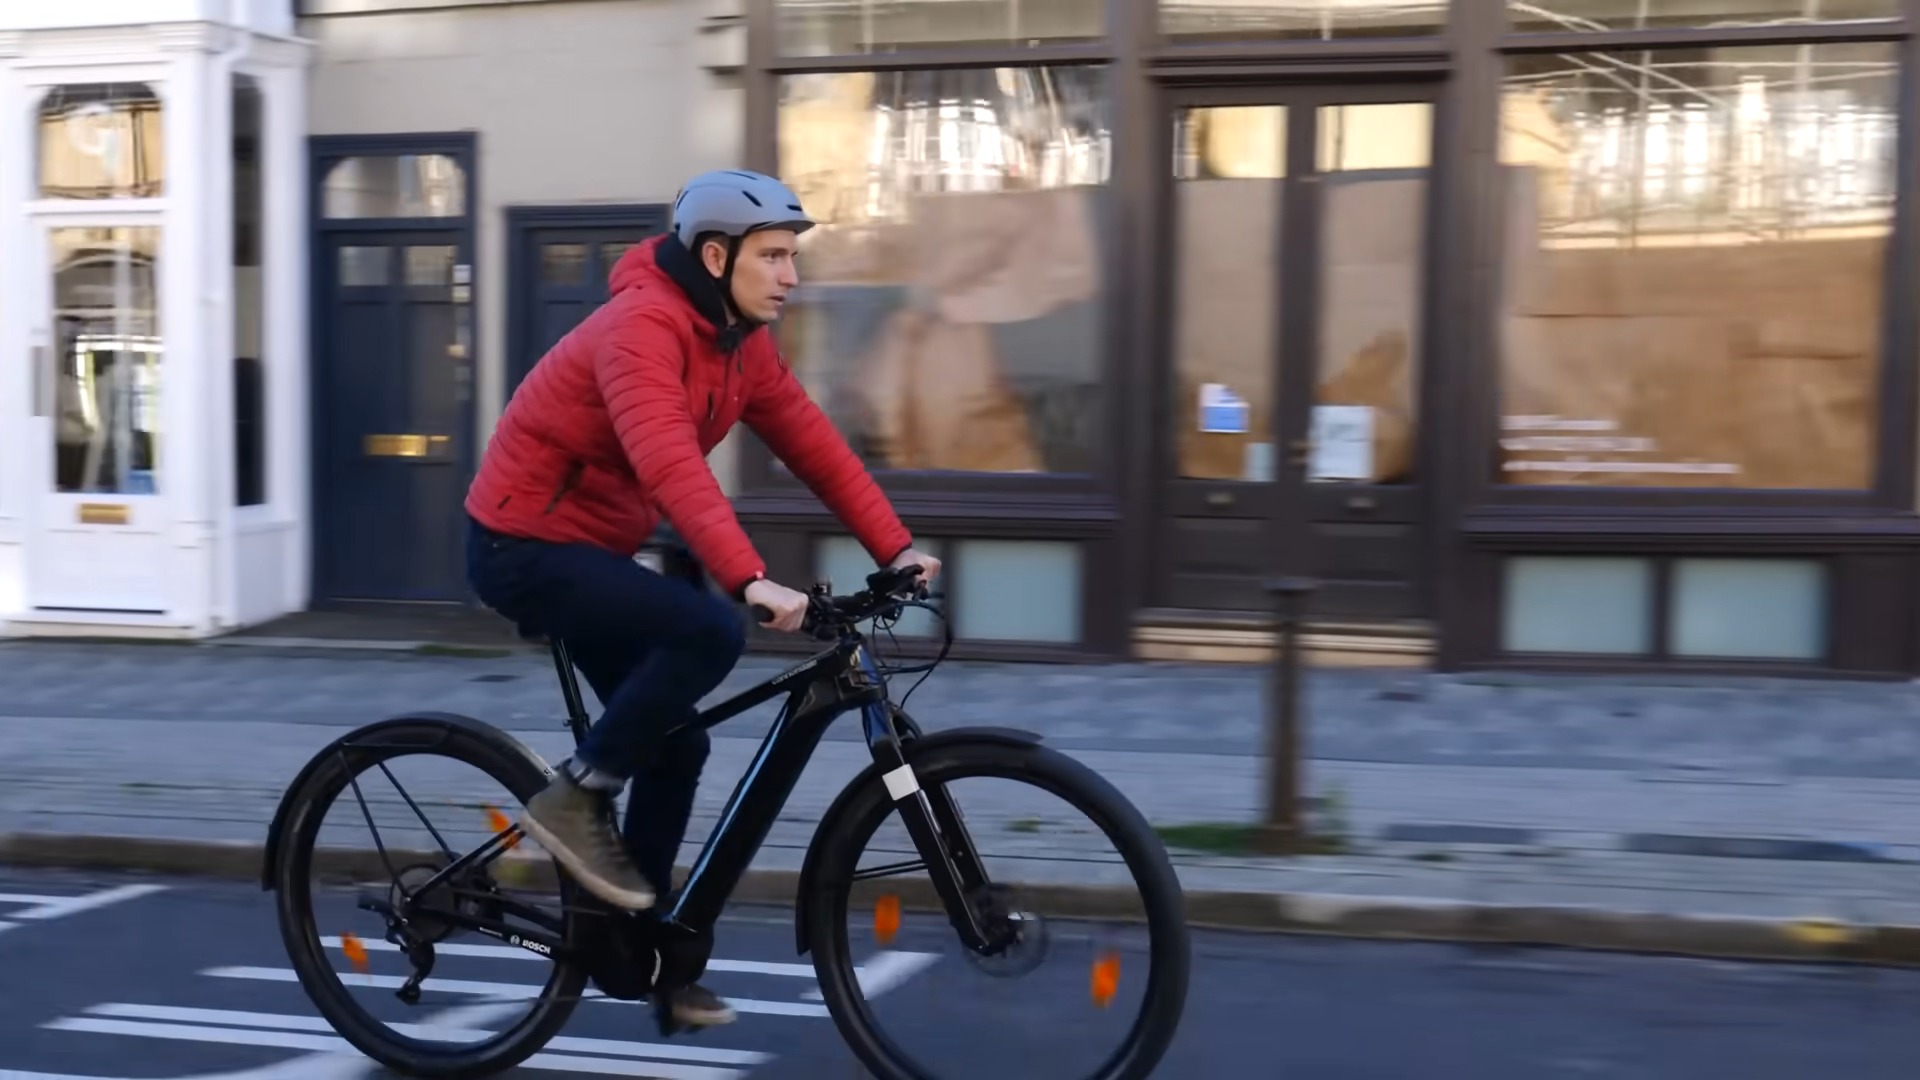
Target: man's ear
713 256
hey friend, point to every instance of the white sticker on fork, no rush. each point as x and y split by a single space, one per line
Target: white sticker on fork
901 782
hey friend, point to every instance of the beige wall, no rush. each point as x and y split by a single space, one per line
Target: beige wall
595 101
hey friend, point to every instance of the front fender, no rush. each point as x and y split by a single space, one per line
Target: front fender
412 730
830 822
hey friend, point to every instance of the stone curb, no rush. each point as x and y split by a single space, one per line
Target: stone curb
1386 918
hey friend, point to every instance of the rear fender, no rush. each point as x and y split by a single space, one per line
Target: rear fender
412 730
832 823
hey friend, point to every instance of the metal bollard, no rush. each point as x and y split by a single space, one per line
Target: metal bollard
1281 832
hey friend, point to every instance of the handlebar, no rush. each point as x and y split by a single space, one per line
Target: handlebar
827 616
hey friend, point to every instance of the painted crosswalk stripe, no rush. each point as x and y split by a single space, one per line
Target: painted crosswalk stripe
178 1014
33 899
59 907
508 952
295 1040
73 905
503 990
884 971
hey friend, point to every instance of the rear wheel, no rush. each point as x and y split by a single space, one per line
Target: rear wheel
477 1038
842 887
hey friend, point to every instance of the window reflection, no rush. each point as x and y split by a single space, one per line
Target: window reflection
1373 204
102 141
1695 244
1563 15
835 27
249 302
950 309
563 264
1229 164
396 186
1232 20
107 320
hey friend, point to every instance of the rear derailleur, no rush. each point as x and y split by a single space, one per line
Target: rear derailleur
417 922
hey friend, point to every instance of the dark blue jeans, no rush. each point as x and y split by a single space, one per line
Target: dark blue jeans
650 646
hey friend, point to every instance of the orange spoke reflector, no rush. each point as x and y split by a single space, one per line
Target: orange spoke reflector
499 823
356 952
886 919
1106 978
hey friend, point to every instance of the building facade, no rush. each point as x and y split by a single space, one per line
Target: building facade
1573 335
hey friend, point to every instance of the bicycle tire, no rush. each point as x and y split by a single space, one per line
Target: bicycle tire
854 819
508 763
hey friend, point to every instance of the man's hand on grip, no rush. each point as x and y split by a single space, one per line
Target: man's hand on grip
776 605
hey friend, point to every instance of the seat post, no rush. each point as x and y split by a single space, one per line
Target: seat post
577 717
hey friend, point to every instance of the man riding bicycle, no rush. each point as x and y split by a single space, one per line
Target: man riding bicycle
608 433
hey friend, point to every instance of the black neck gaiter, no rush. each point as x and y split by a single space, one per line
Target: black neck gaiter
708 294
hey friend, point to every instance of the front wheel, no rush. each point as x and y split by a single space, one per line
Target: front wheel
1029 855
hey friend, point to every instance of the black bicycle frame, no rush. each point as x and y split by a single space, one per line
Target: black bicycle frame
829 683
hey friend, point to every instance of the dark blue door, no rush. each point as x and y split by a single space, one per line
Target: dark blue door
395 396
562 257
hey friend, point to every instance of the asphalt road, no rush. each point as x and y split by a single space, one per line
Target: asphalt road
109 977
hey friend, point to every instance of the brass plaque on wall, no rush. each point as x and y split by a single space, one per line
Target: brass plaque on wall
103 513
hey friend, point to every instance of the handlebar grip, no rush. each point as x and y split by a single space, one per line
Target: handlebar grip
762 614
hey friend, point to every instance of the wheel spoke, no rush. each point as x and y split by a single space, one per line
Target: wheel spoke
435 833
889 870
367 813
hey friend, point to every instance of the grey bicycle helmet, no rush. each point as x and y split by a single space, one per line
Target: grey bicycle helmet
735 202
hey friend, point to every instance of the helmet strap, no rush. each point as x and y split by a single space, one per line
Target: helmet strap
726 277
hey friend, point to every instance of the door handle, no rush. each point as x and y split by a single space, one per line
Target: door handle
1220 500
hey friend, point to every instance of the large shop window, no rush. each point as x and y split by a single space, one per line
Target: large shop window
1694 250
837 27
107 325
102 141
1237 20
1602 15
950 309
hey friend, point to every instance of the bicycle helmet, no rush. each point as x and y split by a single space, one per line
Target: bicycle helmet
735 202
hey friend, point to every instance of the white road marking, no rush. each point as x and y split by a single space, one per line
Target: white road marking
345 1063
293 1022
511 991
653 1070
886 970
508 952
5 925
29 898
59 907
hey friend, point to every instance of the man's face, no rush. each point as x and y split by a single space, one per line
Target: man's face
763 275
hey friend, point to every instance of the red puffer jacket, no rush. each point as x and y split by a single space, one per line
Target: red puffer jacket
612 428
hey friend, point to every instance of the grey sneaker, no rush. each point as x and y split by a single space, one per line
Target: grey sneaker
697 1006
575 825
